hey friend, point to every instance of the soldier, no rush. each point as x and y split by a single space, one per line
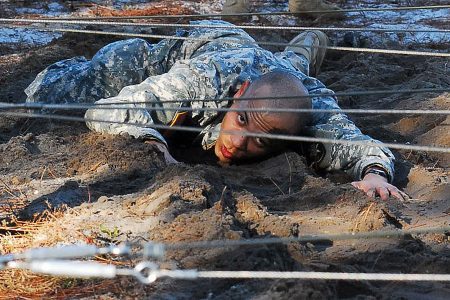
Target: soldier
216 64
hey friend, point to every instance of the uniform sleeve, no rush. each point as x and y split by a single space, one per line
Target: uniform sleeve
144 101
134 120
352 159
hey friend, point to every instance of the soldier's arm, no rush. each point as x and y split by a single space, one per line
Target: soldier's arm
355 160
142 104
122 115
372 167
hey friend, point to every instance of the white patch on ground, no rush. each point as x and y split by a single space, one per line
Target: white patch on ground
414 19
277 6
31 37
199 7
52 9
404 20
26 36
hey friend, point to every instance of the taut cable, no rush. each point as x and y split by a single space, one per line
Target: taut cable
241 133
128 106
307 238
261 43
217 26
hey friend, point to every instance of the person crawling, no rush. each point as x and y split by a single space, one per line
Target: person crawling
218 63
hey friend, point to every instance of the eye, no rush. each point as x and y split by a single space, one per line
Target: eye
260 142
241 119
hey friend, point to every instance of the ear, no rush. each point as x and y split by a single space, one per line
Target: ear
242 90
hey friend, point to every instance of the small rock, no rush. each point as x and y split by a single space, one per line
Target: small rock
28 137
16 180
310 246
103 199
157 204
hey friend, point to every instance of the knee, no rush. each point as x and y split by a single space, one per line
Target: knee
121 53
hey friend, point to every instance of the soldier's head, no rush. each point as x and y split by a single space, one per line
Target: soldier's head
236 147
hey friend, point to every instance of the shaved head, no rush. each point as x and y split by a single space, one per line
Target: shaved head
270 90
275 86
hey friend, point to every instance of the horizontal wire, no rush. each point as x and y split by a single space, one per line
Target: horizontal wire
313 95
217 26
89 269
306 238
322 276
84 269
265 13
31 105
337 94
241 133
158 249
112 106
261 43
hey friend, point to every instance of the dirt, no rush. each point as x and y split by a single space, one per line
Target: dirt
101 189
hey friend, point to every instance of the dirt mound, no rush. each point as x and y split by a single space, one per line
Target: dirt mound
187 203
57 169
191 203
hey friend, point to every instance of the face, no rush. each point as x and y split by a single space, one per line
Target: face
237 147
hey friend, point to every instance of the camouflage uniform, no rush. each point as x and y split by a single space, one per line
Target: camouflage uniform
134 70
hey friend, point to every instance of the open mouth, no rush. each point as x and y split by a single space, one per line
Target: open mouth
227 154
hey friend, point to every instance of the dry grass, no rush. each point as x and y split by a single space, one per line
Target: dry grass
19 284
24 284
46 230
18 236
51 228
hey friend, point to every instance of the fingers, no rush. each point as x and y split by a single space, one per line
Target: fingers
358 185
397 194
404 195
383 193
363 187
371 193
384 190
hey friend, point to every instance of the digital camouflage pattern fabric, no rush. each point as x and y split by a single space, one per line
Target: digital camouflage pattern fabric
135 71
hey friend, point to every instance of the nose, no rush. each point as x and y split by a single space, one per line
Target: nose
239 141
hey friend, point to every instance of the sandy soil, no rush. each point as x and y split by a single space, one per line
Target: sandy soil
100 189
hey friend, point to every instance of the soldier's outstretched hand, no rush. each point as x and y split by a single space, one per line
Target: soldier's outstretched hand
164 150
375 185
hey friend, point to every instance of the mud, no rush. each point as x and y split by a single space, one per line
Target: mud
111 189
